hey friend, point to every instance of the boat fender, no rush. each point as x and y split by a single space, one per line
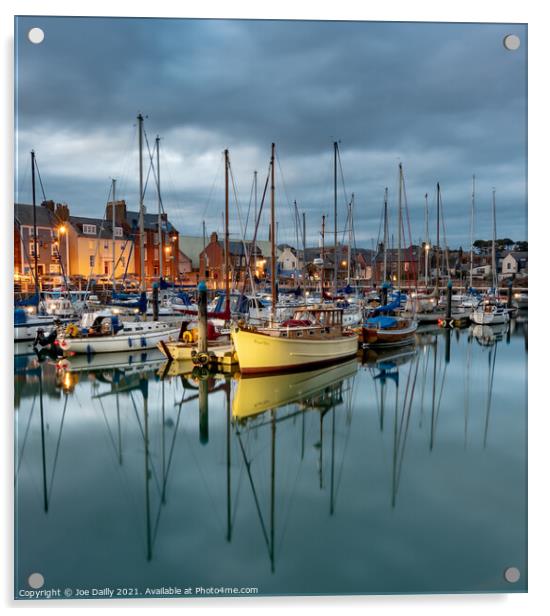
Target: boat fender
201 359
187 337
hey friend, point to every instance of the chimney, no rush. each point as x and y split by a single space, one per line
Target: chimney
49 205
120 212
62 211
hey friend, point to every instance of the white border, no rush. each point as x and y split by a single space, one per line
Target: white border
402 10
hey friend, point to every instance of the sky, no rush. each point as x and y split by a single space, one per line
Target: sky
447 101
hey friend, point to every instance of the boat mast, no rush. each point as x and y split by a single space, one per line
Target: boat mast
385 273
350 218
493 246
161 246
226 238
273 263
35 238
426 243
399 224
322 256
143 284
472 231
335 219
437 242
113 218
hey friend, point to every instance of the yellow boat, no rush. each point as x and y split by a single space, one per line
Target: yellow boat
255 395
313 337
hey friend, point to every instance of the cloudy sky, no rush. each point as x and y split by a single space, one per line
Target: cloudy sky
445 100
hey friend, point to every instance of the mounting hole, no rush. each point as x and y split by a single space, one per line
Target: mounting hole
512 575
36 35
511 42
36 580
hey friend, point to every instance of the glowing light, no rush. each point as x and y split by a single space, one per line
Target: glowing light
427 247
67 381
62 229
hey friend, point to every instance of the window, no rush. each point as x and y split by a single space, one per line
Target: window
118 231
508 265
55 268
105 246
92 260
89 229
31 249
106 267
54 250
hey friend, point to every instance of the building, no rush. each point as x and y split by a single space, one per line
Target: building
211 266
91 243
166 240
514 264
52 242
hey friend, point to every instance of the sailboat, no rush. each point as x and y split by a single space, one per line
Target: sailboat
314 336
385 330
185 347
491 311
103 332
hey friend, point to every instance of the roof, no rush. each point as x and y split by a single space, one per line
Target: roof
23 214
192 246
150 221
517 254
104 228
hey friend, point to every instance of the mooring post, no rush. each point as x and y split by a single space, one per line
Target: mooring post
449 300
384 294
202 346
155 301
203 410
509 294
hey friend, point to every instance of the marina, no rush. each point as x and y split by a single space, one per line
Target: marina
270 307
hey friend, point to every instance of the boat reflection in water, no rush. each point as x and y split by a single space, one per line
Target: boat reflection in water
255 395
154 473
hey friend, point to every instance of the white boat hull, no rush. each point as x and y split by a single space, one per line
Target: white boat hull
258 352
481 317
119 342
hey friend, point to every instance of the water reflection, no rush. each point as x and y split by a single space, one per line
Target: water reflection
263 459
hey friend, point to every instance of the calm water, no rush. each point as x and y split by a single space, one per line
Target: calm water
400 473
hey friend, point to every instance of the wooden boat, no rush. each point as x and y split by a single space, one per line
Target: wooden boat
313 337
387 331
254 395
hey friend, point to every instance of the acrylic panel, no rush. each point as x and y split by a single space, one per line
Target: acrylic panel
270 308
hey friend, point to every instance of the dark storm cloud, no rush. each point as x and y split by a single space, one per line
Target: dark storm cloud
447 100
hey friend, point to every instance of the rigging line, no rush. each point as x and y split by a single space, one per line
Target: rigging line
40 178
152 167
214 184
492 362
342 174
411 398
406 203
254 493
262 201
109 432
20 453
290 207
57 447
249 208
165 477
424 381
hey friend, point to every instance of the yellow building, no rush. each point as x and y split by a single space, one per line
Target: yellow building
91 248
